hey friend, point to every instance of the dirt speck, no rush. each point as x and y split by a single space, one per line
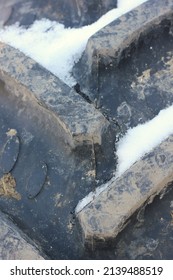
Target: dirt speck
57 199
11 132
70 226
91 173
171 214
7 187
145 76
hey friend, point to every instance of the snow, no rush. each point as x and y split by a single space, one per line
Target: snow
143 138
58 48
55 47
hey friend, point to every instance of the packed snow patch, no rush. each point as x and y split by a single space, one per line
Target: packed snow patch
58 48
141 139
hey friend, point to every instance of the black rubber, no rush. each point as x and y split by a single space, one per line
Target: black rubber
51 177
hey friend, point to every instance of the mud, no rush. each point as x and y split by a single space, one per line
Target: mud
8 187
